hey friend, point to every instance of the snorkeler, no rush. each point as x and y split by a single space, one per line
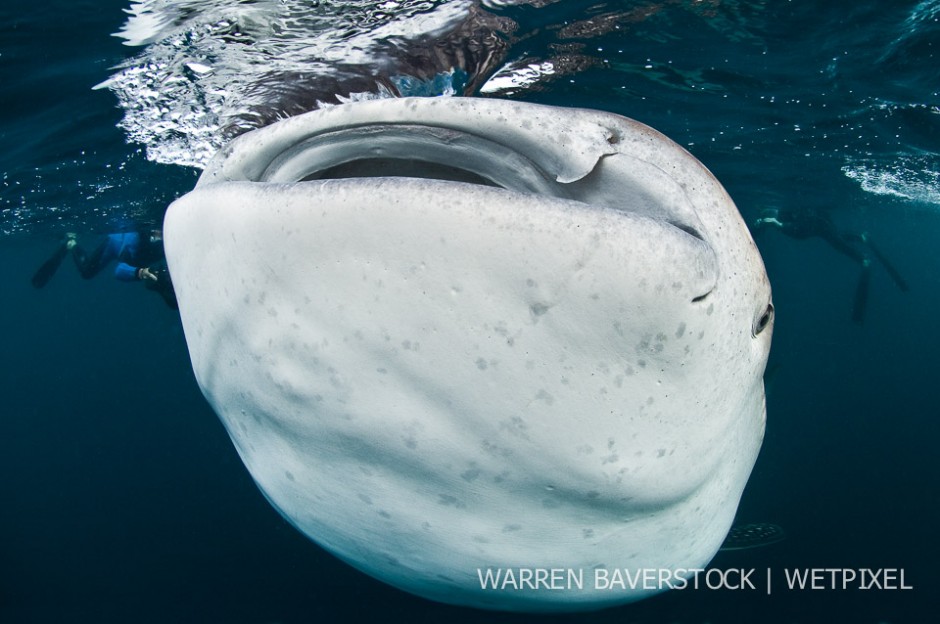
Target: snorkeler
139 256
859 247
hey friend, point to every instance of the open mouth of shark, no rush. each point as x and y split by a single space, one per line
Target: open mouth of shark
410 151
439 152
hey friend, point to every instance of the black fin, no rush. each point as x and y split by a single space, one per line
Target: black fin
861 295
742 536
893 272
45 272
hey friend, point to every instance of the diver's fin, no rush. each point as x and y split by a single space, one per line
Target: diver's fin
45 272
163 284
742 536
893 272
861 294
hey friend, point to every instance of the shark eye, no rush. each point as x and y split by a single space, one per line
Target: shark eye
765 319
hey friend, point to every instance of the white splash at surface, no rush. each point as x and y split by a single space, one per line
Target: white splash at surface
515 76
209 65
914 178
212 69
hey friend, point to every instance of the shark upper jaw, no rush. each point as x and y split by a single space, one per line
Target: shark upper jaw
470 140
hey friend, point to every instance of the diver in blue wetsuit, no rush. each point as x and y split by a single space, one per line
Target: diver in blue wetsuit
134 251
139 257
805 223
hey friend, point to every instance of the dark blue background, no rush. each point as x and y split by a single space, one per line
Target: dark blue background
122 498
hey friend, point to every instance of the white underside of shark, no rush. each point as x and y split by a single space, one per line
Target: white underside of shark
450 335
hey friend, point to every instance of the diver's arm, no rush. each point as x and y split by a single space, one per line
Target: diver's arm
126 272
768 221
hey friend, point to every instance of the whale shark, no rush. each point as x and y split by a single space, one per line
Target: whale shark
451 335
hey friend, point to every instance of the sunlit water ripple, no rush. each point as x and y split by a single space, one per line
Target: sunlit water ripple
843 90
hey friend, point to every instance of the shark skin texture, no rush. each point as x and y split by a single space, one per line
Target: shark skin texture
452 335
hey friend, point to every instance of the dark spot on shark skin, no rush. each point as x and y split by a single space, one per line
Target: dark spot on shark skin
501 477
449 500
494 449
538 309
545 397
470 474
515 425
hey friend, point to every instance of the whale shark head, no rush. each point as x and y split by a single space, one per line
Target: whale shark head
452 335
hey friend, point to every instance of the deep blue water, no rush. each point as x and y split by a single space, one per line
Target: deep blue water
124 500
